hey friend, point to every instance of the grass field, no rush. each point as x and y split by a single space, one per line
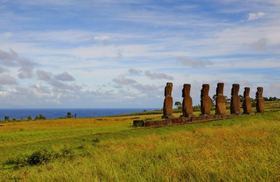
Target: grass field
245 148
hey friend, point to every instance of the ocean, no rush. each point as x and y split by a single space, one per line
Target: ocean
58 113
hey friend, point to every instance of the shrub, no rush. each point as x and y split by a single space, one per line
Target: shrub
6 118
95 141
196 108
39 157
254 104
40 117
66 153
69 115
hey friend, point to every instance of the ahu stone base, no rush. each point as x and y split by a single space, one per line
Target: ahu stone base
179 121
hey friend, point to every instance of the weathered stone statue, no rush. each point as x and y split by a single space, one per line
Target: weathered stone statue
247 106
205 100
220 100
187 108
168 101
235 100
260 100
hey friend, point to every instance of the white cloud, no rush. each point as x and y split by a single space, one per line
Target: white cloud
194 63
7 80
255 16
66 77
121 80
10 59
43 75
261 44
151 40
2 70
133 71
158 76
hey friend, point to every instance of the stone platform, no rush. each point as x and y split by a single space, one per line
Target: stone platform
179 121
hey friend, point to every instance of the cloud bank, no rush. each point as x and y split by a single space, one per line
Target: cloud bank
63 54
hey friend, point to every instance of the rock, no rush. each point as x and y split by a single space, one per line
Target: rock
220 100
247 106
168 101
205 100
235 100
187 108
260 100
138 123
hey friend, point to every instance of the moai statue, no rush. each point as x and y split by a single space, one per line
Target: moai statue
168 101
260 100
220 100
235 100
247 106
187 108
205 100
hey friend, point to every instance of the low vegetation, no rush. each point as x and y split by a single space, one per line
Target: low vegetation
39 157
245 148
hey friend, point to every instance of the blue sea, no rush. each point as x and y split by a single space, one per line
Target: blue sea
58 113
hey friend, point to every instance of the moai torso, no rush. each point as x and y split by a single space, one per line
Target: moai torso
260 100
247 107
220 100
187 109
205 100
235 100
168 101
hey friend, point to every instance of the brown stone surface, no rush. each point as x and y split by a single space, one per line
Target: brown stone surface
138 123
260 100
168 101
205 100
220 100
187 108
168 89
235 100
179 121
247 106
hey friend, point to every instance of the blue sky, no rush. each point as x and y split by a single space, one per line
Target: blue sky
120 53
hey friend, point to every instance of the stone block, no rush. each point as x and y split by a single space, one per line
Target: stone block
220 100
259 100
168 101
235 100
247 106
187 108
205 100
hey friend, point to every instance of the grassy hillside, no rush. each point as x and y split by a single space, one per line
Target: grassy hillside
245 148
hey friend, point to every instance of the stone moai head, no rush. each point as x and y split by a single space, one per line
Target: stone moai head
186 90
259 92
235 89
220 89
246 92
168 89
205 90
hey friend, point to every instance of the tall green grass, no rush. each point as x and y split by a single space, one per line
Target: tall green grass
245 148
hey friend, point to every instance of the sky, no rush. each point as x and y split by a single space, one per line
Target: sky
121 53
